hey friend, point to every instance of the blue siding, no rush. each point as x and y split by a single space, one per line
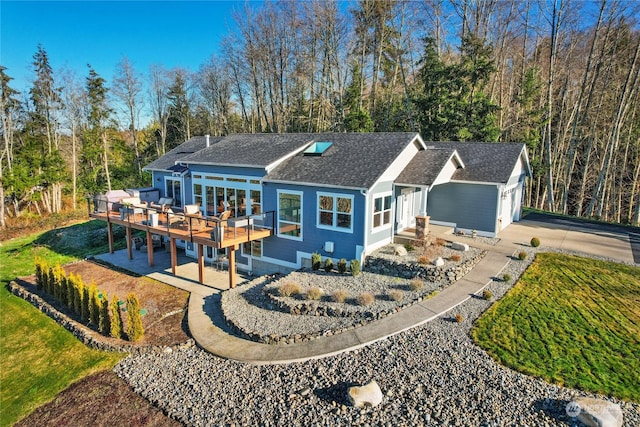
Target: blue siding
313 237
469 206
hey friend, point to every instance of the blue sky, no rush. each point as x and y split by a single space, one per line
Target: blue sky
77 33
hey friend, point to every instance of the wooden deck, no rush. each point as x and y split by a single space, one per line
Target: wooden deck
202 231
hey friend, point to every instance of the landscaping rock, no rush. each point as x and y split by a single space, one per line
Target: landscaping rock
439 262
366 395
459 246
400 250
595 412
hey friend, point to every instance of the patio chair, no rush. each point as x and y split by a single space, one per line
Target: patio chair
219 224
162 204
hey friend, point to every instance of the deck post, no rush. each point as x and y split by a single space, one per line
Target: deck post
149 248
174 254
129 249
232 266
201 263
110 235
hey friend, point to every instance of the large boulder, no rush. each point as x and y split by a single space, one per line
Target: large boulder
439 262
595 412
458 246
399 250
366 395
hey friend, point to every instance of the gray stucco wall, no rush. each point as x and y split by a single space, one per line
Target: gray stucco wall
469 206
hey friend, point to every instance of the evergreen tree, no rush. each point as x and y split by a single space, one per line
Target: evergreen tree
135 331
85 303
180 115
104 322
94 305
9 106
116 318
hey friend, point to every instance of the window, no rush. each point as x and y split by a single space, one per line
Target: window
381 211
174 190
253 249
335 212
197 194
290 215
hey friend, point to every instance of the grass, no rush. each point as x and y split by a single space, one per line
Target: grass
39 358
574 322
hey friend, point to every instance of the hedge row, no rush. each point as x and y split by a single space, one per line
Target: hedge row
90 304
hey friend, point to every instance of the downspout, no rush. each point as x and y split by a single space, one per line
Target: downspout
365 242
498 225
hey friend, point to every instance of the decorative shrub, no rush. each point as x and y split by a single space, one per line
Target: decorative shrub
395 295
455 257
70 291
116 318
78 291
328 265
94 305
506 277
339 296
104 322
459 318
424 260
416 284
342 265
135 331
314 293
63 291
355 267
365 299
409 247
289 289
522 256
41 268
316 261
535 242
84 304
441 242
486 294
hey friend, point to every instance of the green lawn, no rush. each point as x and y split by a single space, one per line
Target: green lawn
39 358
572 321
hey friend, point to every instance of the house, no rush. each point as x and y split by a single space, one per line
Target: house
342 195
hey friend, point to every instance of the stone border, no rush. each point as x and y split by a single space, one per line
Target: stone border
361 318
86 335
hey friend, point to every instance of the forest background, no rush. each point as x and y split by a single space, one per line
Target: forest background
561 76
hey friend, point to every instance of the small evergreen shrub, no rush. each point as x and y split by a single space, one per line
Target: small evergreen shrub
506 277
395 295
339 296
70 291
342 265
365 299
522 256
416 284
78 291
84 304
355 267
41 267
328 265
104 323
94 305
316 261
459 318
409 247
135 331
289 289
116 318
455 257
487 295
64 291
535 242
314 293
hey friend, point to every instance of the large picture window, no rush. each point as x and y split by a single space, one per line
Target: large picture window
335 211
290 214
381 211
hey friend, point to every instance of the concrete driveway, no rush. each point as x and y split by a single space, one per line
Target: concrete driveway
612 241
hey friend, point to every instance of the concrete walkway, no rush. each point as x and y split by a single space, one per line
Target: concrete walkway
209 330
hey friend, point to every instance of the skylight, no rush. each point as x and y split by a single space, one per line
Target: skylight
317 148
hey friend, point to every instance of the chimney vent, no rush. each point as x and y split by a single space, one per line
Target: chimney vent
207 139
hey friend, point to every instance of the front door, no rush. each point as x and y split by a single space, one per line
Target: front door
404 210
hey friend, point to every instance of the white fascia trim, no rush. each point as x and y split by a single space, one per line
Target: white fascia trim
526 161
455 181
232 165
275 164
413 140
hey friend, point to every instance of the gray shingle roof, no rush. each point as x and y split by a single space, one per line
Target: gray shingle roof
257 150
355 160
483 161
193 145
425 166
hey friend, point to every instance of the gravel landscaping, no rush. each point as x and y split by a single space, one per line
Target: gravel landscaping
430 375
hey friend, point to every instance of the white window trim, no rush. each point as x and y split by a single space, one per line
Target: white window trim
181 180
335 211
286 236
373 212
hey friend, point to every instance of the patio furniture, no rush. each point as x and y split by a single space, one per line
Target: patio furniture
193 216
162 204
